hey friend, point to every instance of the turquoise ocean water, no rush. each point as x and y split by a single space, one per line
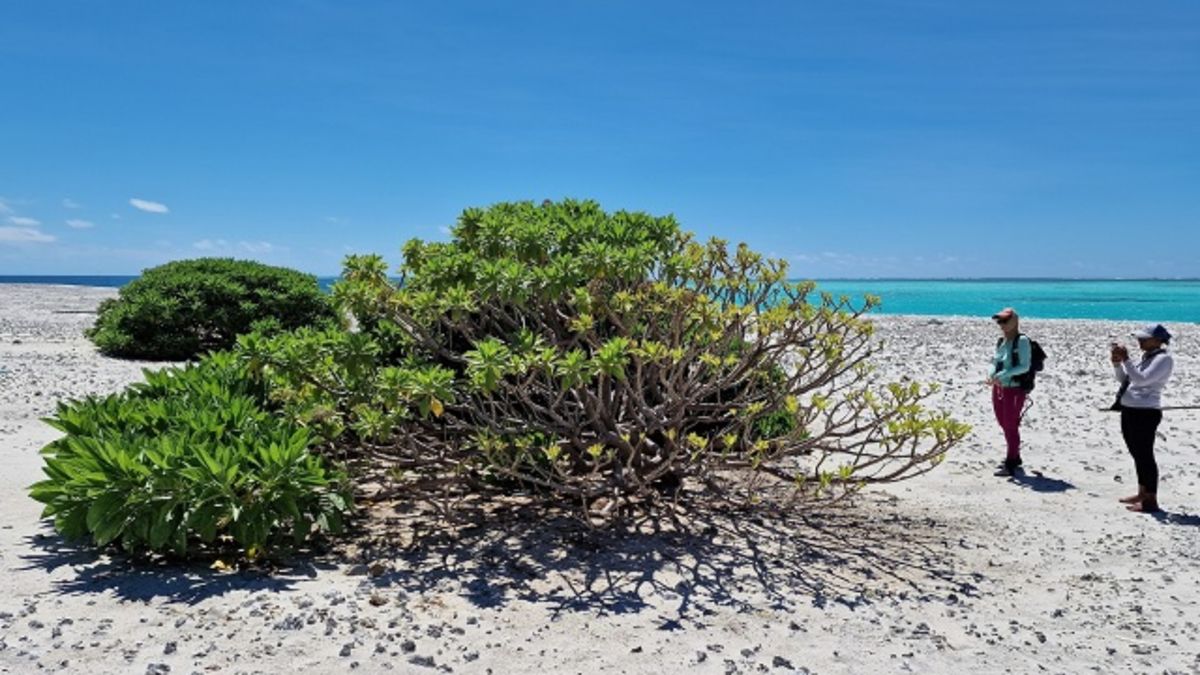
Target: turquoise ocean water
1123 300
1164 301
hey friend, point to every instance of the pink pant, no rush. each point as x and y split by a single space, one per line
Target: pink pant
1007 403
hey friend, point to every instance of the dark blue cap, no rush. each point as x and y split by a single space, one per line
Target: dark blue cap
1154 330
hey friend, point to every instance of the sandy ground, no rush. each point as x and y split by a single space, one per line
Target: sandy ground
957 571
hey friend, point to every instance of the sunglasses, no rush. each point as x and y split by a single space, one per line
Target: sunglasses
1004 321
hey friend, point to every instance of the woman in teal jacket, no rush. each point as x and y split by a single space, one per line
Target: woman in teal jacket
1008 397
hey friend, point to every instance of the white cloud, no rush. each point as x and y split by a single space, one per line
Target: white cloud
847 264
79 223
829 258
4 207
210 244
256 246
23 235
115 216
69 203
228 248
148 206
24 221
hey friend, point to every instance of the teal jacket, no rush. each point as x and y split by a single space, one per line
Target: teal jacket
1002 366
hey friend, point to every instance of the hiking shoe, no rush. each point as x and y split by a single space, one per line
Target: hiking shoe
1008 467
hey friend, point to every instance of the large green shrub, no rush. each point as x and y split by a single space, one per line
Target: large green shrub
187 460
606 358
185 308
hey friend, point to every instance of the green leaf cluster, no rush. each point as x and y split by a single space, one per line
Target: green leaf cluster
189 460
339 385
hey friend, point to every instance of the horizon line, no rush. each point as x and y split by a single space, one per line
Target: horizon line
792 279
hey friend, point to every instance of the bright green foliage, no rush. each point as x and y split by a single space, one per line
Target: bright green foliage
598 355
189 459
334 382
185 308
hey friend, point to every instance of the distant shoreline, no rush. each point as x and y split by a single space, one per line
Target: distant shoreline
117 280
1122 300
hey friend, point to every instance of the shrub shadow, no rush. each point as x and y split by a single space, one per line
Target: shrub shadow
682 569
500 554
187 582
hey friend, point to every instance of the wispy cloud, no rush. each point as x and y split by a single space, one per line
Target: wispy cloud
79 223
24 235
847 264
228 247
69 203
4 207
210 244
24 221
832 258
148 206
256 246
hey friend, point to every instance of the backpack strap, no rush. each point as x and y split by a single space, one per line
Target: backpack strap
1015 359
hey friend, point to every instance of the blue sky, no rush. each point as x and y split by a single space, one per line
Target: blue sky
856 139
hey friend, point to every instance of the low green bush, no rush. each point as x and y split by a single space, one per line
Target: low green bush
183 309
191 459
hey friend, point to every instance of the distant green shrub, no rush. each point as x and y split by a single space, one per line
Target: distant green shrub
188 460
183 309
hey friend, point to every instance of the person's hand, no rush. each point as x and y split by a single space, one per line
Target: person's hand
1119 354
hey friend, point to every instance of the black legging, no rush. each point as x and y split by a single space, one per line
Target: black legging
1138 426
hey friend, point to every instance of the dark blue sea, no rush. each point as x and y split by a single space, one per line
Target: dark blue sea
1167 301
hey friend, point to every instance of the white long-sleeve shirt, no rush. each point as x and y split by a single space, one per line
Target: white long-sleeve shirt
1145 384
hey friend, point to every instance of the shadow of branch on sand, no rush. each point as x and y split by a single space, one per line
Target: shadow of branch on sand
137 579
746 561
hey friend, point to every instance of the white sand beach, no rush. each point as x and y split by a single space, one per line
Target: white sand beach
958 571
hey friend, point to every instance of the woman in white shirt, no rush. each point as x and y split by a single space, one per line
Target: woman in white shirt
1140 403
